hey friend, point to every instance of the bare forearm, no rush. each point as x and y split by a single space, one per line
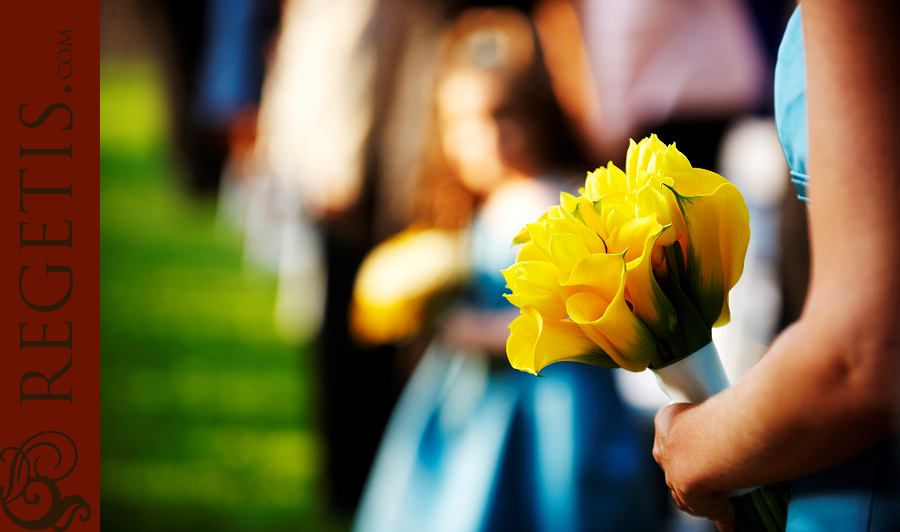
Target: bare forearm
803 408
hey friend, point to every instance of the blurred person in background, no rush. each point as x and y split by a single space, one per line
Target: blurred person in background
309 203
296 178
474 444
215 55
661 64
341 126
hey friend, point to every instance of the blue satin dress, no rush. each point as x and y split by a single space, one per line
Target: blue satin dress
862 494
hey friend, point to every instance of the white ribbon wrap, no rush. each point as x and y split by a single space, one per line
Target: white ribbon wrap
693 379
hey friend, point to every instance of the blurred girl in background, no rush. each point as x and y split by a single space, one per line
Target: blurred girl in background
473 444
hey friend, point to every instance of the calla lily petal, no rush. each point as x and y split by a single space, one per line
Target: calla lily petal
600 271
616 215
604 181
616 329
588 213
536 342
523 237
536 284
696 181
530 252
672 160
590 238
631 236
652 200
718 229
649 302
568 201
642 156
566 250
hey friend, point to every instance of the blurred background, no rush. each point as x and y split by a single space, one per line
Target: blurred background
305 208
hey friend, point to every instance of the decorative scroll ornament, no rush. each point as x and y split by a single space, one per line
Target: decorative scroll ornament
31 498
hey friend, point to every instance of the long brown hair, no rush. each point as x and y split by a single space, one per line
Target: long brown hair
500 43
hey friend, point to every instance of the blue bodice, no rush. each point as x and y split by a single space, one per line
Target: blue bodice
790 103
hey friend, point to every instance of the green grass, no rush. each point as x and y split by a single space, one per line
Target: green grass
205 411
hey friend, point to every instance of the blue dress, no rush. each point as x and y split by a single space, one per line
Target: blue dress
862 494
476 448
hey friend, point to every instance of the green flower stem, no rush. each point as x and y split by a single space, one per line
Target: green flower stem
776 510
746 515
761 510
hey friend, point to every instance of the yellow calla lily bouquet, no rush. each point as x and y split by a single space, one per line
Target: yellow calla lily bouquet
635 271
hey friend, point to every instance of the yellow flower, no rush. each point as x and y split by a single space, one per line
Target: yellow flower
641 263
536 342
593 296
536 284
600 309
699 208
717 226
397 281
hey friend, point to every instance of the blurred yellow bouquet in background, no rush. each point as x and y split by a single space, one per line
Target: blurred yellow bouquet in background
635 271
400 279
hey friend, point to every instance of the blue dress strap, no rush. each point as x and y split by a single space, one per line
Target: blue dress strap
790 103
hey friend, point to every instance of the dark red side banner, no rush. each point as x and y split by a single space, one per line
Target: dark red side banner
50 266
